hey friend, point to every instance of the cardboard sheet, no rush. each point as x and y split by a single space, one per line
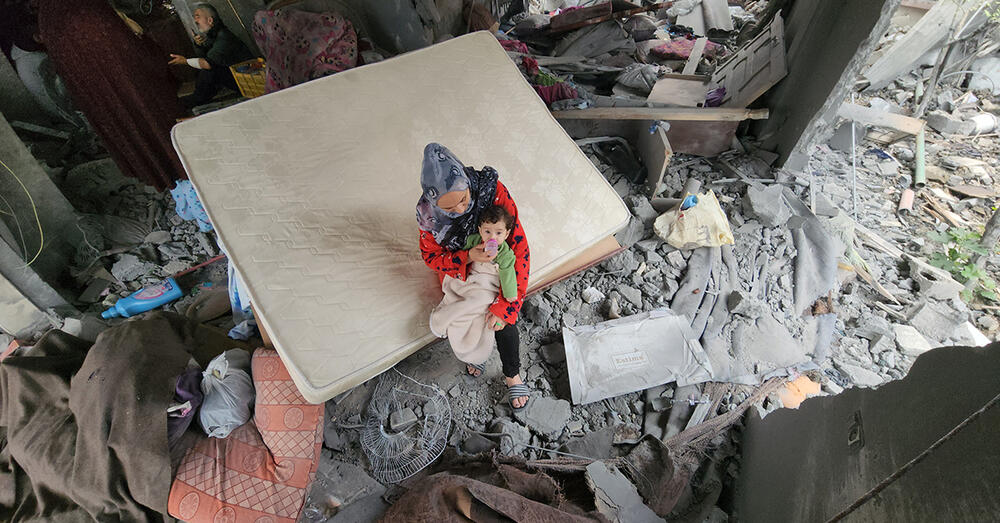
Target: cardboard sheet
312 191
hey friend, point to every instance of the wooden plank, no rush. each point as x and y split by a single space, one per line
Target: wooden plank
716 15
680 93
755 68
655 151
700 114
926 34
563 21
695 56
872 116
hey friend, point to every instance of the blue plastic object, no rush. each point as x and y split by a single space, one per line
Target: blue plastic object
146 299
689 202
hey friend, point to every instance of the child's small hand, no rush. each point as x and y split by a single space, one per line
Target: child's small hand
478 254
494 322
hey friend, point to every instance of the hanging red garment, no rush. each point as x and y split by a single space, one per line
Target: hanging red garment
120 82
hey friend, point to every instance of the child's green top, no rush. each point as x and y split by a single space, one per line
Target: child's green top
505 265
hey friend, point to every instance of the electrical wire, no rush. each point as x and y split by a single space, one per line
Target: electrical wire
34 209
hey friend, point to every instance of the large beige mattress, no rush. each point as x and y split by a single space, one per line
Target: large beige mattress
312 191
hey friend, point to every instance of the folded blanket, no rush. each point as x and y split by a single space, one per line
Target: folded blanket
461 315
87 425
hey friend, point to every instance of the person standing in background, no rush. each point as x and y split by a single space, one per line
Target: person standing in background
119 81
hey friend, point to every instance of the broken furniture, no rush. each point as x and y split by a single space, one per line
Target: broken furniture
263 469
312 190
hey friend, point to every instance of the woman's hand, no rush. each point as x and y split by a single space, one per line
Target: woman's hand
176 59
478 254
494 322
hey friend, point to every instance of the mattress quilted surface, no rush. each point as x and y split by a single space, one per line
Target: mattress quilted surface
312 192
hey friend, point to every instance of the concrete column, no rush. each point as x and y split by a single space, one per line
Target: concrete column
21 235
828 43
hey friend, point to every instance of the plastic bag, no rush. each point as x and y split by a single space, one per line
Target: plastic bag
702 225
229 393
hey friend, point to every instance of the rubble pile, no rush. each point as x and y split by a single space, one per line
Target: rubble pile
133 239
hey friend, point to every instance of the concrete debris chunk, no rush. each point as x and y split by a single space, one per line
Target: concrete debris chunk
643 210
546 416
174 250
592 295
945 123
616 497
936 320
968 334
910 341
519 435
538 310
676 259
597 445
130 267
859 375
158 237
633 295
934 282
624 262
767 204
402 420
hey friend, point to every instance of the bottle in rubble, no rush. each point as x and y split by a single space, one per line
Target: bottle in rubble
146 299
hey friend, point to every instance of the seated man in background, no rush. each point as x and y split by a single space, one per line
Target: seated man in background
217 48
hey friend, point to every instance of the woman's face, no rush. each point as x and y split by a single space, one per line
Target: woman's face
455 202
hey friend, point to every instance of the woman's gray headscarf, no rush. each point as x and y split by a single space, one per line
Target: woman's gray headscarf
440 174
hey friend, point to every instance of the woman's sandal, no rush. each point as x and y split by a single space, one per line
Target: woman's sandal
518 391
480 367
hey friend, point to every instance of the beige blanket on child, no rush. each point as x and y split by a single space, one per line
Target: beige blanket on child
461 315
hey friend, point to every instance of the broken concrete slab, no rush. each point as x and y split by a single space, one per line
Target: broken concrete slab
516 435
632 353
129 267
643 210
935 320
616 497
859 375
968 334
342 482
909 340
546 416
596 445
767 204
945 123
158 237
934 282
402 420
622 263
633 295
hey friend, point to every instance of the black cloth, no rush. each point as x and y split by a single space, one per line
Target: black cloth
18 26
221 49
509 344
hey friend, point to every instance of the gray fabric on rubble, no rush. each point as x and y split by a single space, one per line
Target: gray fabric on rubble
818 253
